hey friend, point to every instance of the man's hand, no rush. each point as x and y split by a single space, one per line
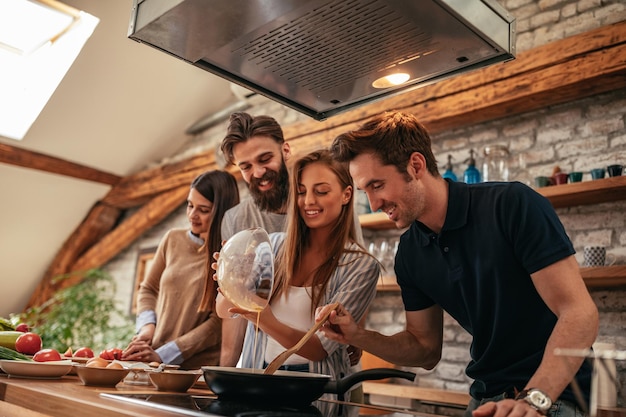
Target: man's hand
355 354
506 408
340 325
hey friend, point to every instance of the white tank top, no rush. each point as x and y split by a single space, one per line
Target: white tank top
295 312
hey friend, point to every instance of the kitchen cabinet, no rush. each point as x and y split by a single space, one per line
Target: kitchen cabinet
565 195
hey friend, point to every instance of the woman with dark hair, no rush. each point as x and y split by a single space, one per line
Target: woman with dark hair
176 320
317 261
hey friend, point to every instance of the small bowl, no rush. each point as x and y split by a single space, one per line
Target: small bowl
177 381
101 377
139 372
137 376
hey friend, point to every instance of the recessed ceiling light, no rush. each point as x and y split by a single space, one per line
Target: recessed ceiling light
391 80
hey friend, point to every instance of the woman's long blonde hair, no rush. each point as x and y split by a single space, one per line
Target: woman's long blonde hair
297 236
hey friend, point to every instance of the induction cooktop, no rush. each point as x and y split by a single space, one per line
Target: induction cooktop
209 405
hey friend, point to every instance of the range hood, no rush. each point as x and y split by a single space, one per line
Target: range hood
321 57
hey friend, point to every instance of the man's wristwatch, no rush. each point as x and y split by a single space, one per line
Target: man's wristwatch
537 399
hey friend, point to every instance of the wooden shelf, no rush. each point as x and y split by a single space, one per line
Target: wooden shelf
586 192
596 277
387 283
376 221
604 276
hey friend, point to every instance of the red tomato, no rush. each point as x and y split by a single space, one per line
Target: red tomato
84 352
111 354
22 327
28 343
46 355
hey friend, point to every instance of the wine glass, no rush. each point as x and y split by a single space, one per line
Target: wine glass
245 269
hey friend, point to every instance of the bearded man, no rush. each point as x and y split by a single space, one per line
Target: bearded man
257 147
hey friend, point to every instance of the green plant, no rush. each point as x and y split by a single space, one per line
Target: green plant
84 314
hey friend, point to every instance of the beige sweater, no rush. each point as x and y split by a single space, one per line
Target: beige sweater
173 289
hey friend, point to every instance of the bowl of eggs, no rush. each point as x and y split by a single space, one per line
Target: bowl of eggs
101 373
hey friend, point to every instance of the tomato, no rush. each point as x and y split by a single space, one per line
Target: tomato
111 354
46 355
84 352
22 327
28 343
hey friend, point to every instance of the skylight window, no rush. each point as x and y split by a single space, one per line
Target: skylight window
39 41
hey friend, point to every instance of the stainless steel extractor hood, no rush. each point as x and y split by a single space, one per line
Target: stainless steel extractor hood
321 57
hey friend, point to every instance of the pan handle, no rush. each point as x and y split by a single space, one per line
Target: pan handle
341 386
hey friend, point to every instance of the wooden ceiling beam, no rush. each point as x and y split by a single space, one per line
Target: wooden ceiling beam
96 241
13 155
148 216
138 188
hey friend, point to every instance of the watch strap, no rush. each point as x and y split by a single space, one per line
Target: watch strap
542 407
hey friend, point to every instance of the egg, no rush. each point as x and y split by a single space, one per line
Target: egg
115 365
97 363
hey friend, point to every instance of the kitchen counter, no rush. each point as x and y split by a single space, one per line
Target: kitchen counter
65 396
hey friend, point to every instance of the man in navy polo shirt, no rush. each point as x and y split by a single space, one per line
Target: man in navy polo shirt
494 256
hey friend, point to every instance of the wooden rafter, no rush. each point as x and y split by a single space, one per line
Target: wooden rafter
13 155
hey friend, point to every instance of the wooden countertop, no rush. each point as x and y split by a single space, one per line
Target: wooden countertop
63 397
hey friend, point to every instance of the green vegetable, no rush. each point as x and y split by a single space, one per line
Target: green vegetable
5 324
6 353
8 338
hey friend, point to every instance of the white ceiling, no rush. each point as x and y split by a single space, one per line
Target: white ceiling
121 106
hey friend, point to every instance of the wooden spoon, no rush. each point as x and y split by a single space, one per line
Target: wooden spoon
280 359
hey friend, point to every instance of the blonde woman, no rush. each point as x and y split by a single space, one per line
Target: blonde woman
318 261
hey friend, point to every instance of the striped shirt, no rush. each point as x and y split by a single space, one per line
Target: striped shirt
353 284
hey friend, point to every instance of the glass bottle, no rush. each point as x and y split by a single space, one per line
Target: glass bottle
496 163
471 174
449 173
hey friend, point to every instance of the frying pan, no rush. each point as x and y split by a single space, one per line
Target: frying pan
286 387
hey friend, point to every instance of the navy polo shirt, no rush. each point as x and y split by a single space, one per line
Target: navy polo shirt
478 270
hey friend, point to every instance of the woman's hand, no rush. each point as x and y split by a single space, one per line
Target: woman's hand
146 333
216 256
139 350
223 306
262 318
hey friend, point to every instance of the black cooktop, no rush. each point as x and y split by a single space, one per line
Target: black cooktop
207 405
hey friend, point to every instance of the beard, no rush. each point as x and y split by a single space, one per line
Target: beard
273 199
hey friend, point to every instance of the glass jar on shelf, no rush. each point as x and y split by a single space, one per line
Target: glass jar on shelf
496 163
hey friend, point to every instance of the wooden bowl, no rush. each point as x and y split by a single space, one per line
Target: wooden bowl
101 377
174 380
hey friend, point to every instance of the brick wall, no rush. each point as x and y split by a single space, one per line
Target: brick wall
576 136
